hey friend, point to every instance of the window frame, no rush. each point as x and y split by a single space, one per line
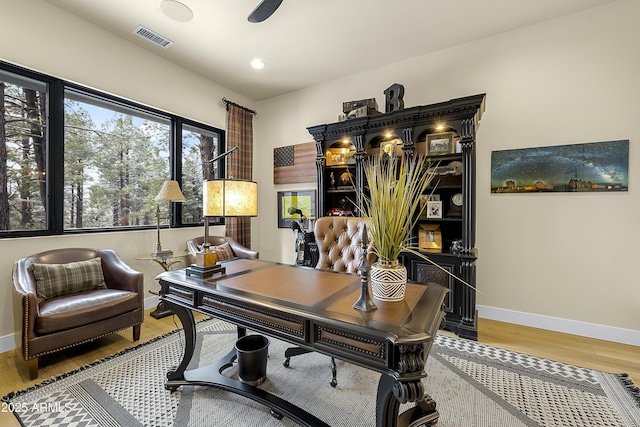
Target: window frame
56 92
176 162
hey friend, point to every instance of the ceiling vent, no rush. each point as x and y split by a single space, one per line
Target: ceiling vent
153 37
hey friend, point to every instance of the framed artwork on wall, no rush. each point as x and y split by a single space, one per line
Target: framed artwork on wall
294 163
587 167
290 202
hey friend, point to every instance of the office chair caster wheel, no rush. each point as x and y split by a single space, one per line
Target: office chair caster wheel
276 415
333 383
286 362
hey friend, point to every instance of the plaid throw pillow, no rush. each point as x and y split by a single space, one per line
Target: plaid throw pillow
53 280
223 251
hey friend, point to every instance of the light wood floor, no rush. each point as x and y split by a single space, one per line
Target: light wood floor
590 353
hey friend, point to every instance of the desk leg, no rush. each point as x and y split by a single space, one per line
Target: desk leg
162 310
189 328
392 393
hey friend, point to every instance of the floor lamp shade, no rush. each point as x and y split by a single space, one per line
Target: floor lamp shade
170 191
229 197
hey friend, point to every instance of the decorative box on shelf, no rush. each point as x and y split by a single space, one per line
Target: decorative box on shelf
362 112
349 106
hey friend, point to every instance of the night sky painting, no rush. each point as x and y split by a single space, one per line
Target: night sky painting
595 166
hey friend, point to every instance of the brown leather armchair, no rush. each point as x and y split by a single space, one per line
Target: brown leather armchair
67 320
339 248
194 246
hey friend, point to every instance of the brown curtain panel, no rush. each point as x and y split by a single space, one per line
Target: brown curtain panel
240 164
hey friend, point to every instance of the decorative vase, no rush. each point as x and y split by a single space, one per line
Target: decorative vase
388 280
346 178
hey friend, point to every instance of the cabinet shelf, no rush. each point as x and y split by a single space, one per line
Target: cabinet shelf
340 190
444 157
443 187
437 220
337 167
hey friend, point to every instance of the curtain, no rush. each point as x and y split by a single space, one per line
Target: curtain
240 164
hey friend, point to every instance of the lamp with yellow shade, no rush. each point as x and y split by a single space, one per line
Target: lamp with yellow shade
222 198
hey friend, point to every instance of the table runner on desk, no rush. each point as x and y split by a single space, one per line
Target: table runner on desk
288 283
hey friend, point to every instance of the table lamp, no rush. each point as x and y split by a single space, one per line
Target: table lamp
222 198
170 191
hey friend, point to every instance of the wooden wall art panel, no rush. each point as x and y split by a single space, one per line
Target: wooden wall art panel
294 163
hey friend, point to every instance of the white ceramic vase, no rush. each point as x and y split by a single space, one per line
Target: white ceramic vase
388 280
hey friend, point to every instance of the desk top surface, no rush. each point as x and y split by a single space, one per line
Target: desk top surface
320 294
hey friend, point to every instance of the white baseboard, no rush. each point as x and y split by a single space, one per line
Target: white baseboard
7 342
573 327
151 302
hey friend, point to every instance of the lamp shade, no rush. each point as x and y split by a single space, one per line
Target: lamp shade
170 191
229 197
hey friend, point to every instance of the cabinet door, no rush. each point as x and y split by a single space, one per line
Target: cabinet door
425 272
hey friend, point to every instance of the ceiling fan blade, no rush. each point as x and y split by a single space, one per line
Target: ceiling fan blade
264 10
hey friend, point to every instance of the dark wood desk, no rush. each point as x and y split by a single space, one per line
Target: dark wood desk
313 309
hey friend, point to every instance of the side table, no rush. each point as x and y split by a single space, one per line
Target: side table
165 261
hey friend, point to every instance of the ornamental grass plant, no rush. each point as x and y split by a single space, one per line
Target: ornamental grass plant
392 203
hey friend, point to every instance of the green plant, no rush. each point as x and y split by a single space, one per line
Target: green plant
393 204
393 201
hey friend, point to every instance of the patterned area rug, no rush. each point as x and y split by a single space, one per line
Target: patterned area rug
473 385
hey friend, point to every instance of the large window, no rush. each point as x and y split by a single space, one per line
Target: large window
115 160
23 150
73 159
199 146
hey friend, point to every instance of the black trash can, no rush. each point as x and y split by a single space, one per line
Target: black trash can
252 352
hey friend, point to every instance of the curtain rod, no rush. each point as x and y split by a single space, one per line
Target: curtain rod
227 102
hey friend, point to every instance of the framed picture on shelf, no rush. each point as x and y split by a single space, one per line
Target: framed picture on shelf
440 143
430 238
388 149
434 208
424 200
336 156
290 202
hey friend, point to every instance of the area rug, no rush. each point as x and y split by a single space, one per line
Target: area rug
473 385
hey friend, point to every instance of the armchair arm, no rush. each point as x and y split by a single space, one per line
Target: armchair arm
192 249
25 303
118 275
241 251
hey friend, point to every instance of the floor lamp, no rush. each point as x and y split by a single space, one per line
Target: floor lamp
171 192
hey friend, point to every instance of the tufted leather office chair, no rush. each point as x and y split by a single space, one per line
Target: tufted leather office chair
339 242
339 247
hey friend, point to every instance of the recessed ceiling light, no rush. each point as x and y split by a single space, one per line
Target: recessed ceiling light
176 10
258 64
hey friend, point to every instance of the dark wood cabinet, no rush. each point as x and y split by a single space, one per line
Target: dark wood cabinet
445 132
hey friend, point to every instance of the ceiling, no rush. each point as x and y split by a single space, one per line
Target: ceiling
308 42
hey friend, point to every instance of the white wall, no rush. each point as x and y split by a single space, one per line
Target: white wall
75 50
561 261
557 261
